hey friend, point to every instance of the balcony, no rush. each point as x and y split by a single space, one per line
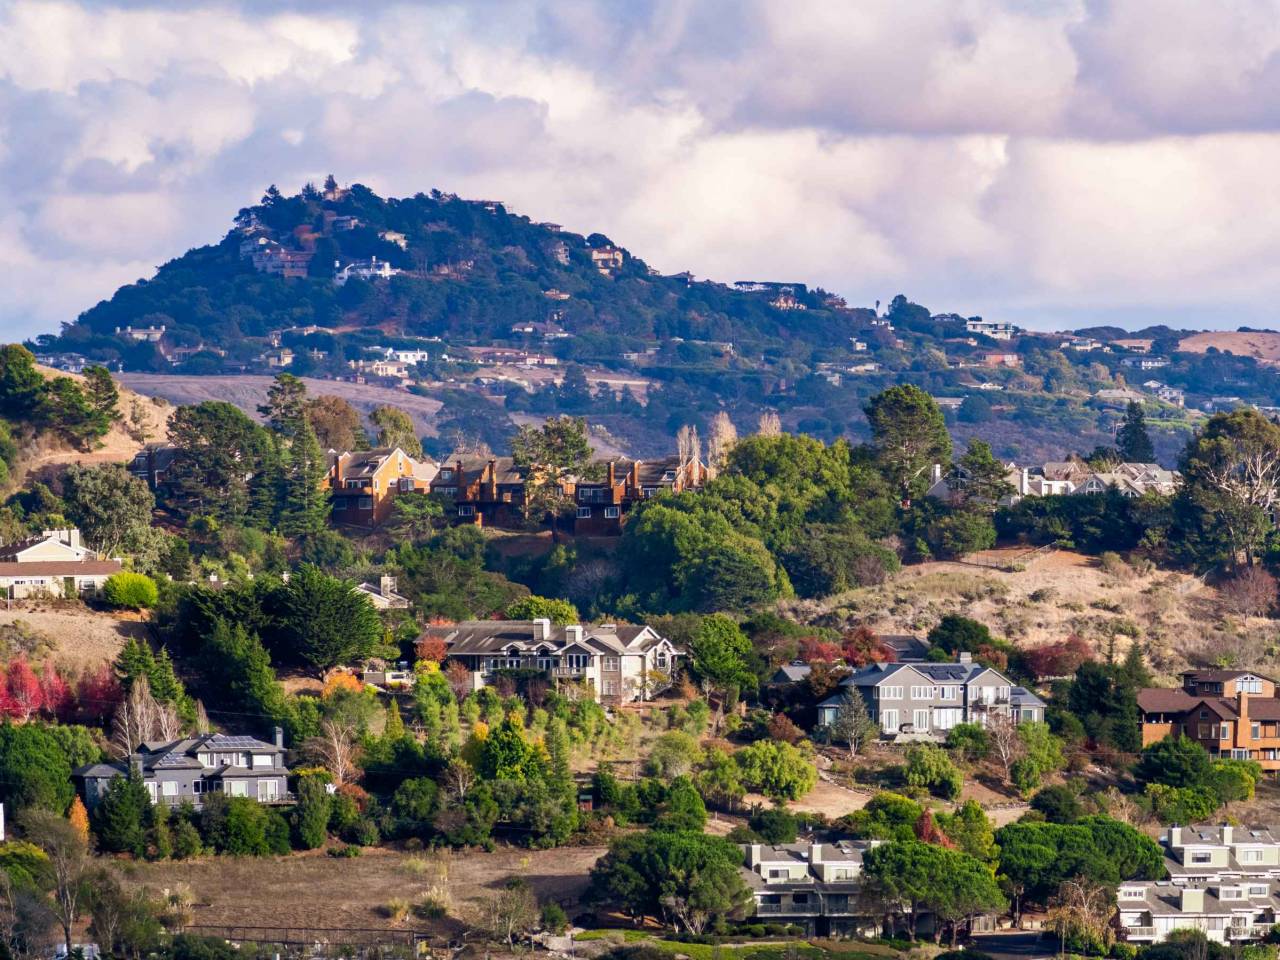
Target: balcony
1140 933
568 671
787 910
1247 932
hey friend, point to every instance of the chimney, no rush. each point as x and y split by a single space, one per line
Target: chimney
573 634
815 853
541 628
935 474
753 854
280 737
1174 837
1227 834
135 763
964 656
1243 729
1192 900
610 474
386 585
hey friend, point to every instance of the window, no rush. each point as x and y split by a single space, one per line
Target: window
1224 732
1002 693
466 510
1239 754
261 760
920 720
584 513
1230 893
947 717
237 788
447 491
613 663
1131 893
611 513
1248 685
948 693
446 473
1201 856
1255 731
611 688
890 693
1260 890
1250 856
922 693
889 721
268 790
198 787
365 503
169 788
151 790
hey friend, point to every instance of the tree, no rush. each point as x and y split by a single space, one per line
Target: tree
414 518
510 912
852 725
395 429
121 813
286 405
970 831
337 749
324 621
559 612
720 649
1174 762
918 877
218 450
1059 804
778 770
1231 485
551 455
769 425
71 867
1082 908
687 879
22 387
311 815
34 769
721 439
984 476
929 766
720 780
1002 730
336 423
887 816
673 754
684 809
110 506
1250 593
133 591
970 740
909 435
305 503
1132 439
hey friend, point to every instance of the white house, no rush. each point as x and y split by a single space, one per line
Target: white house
373 269
1227 911
994 329
54 564
620 662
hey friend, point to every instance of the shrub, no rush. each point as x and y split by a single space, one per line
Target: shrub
396 910
429 908
776 825
132 591
554 919
929 766
970 740
345 852
364 832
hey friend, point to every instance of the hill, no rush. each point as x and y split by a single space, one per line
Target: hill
1262 345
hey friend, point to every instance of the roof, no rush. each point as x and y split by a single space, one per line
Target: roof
905 646
791 673
495 636
504 468
1162 700
1165 899
1219 676
60 568
183 755
366 463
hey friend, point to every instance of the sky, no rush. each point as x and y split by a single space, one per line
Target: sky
1057 164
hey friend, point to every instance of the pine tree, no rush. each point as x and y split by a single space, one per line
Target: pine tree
118 819
306 500
559 773
135 660
1132 438
165 685
394 729
266 488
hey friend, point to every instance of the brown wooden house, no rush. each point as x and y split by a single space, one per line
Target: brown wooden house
366 483
600 505
485 491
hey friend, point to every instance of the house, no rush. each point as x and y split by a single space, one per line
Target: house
1001 360
272 258
796 671
1134 345
394 236
1131 480
1226 911
906 648
1120 396
950 486
485 491
142 334
922 701
1241 722
66 362
153 462
990 328
1222 403
950 403
554 294
54 564
1172 395
1145 363
621 663
372 269
1080 343
869 366
278 359
365 484
811 885
786 300
858 346
1195 854
187 770
607 259
383 595
602 504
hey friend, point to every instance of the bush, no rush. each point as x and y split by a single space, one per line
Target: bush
131 591
345 852
364 832
554 919
396 910
776 825
970 740
929 766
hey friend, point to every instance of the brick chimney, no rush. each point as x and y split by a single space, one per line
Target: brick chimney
1243 729
492 471
611 475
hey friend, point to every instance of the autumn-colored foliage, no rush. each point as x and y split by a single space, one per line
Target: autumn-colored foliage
861 646
431 648
928 831
339 681
356 793
781 728
79 818
1058 659
813 650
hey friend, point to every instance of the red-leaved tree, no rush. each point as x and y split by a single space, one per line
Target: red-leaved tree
431 648
861 646
23 695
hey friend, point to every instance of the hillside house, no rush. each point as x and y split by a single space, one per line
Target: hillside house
142 334
951 485
365 484
272 258
485 491
949 403
812 885
1001 360
602 504
188 770
1212 852
371 269
996 330
858 346
619 662
1131 480
383 594
1172 395
786 300
1145 363
1231 713
279 359
1226 911
407 356
55 564
1134 344
922 701
153 462
66 362
394 236
1118 396
607 259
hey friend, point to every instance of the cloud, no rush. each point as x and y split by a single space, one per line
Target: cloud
1061 162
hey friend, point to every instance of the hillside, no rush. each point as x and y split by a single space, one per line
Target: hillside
1262 345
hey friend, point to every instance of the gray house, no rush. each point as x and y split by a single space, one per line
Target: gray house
187 770
924 700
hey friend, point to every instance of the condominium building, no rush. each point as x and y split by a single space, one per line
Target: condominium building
1225 911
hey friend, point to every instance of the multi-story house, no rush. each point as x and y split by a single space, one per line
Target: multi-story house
991 328
601 504
365 484
811 885
620 662
1231 713
607 259
1215 852
54 564
188 770
922 701
1132 480
153 462
1227 911
485 491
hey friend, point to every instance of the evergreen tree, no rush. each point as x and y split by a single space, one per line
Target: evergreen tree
102 395
119 817
559 773
394 728
267 486
135 660
1132 439
305 508
311 816
323 621
285 406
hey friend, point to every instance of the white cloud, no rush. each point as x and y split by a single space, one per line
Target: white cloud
984 156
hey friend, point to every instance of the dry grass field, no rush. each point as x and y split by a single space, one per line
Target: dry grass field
71 634
1263 345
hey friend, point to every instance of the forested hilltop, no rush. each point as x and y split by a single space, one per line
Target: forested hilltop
497 316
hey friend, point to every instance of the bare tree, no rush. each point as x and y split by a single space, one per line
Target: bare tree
723 436
770 424
1250 593
1005 742
1082 906
202 718
510 912
688 445
71 866
336 749
459 778
140 718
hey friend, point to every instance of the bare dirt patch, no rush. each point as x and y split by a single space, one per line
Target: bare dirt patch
1262 345
81 638
315 890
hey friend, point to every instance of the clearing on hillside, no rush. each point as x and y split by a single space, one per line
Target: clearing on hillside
1262 345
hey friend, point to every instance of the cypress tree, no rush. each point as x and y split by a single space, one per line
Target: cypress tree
305 506
119 817
1132 439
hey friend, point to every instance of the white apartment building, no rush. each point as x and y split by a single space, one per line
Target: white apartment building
1215 852
1227 911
